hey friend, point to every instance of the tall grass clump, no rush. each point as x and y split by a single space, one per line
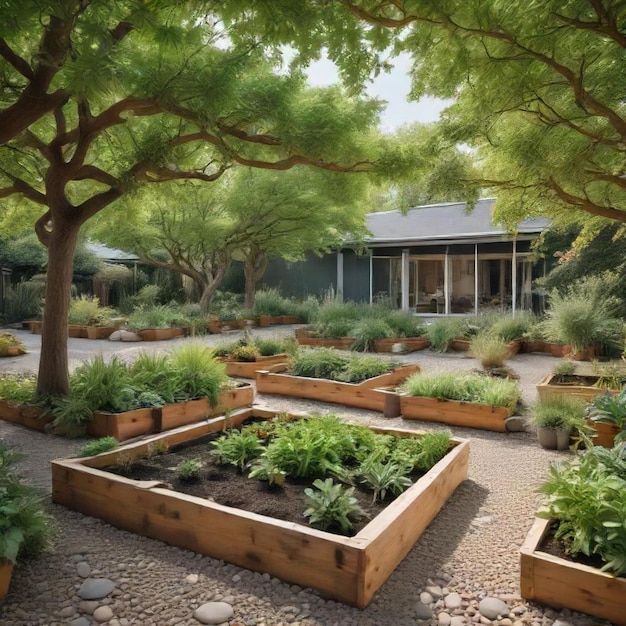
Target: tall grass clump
86 311
334 319
318 363
197 373
442 333
24 301
366 331
405 324
464 387
270 302
509 328
490 349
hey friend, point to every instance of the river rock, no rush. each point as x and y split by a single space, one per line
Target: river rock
422 611
492 607
214 613
95 588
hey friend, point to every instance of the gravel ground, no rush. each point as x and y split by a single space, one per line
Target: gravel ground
468 553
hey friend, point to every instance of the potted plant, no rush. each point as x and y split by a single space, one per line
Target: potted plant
24 526
244 357
607 415
555 419
575 554
87 319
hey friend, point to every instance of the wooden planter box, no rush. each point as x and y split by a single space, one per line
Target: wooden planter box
460 345
159 334
13 351
76 331
605 433
411 344
28 415
349 569
546 347
370 394
248 369
455 413
564 584
6 570
100 332
36 326
342 343
547 389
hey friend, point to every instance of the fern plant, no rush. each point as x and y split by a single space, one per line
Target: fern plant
383 478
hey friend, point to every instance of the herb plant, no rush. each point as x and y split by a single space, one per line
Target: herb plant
331 505
383 478
104 444
237 448
189 470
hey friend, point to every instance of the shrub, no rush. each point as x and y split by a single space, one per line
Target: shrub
24 301
87 311
490 349
509 328
270 302
270 347
335 319
405 324
564 368
368 330
197 373
360 368
306 309
319 363
248 353
18 388
442 332
161 316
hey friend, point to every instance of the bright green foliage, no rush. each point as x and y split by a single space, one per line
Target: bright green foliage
490 349
104 444
331 505
510 328
564 368
25 528
238 448
198 373
189 469
610 409
87 311
247 353
442 332
330 364
18 388
466 387
405 324
156 316
587 498
384 478
368 330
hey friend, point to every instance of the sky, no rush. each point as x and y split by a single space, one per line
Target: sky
392 87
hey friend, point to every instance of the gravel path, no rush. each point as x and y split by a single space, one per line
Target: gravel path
468 553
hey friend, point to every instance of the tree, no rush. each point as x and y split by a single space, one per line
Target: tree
97 98
539 89
289 215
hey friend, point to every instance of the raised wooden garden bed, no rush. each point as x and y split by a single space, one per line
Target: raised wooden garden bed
271 320
28 415
349 569
580 387
370 394
100 332
341 343
139 422
159 334
248 369
408 344
6 570
455 413
562 583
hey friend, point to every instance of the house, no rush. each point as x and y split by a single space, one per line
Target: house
436 259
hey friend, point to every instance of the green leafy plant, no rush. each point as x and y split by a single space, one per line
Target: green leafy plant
189 470
269 346
247 354
237 448
331 505
383 478
18 388
71 415
104 444
24 301
157 316
509 328
610 375
25 528
587 498
405 324
363 367
610 409
318 363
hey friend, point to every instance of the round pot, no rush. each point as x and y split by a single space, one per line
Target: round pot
547 438
563 438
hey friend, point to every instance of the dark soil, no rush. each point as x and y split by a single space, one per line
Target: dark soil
226 485
553 546
574 380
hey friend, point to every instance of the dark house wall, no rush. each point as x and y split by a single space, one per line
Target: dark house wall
356 277
312 276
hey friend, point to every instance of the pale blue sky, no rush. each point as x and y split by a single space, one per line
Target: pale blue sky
392 87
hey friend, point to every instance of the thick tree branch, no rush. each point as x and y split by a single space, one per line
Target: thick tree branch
15 60
43 228
585 204
22 187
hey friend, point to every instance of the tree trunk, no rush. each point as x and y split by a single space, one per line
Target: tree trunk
53 375
209 290
253 270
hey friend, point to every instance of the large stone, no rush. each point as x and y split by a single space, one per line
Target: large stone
423 612
127 335
116 335
83 569
453 600
214 613
103 614
492 607
80 621
515 424
96 588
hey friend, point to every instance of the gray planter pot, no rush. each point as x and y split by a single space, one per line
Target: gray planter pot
547 438
562 438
